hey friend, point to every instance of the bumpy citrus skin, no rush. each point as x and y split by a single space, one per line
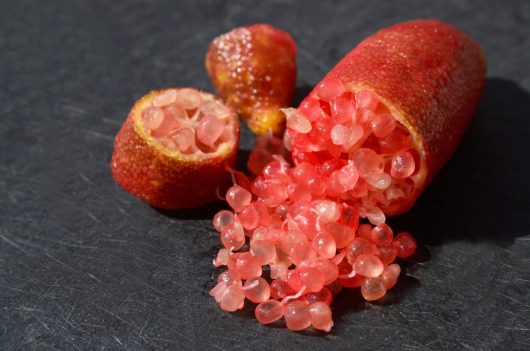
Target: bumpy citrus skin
430 75
254 69
164 178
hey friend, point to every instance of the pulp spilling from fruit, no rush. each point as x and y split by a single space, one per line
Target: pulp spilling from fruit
300 224
368 157
188 121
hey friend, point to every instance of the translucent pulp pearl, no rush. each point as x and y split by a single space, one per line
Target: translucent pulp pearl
297 121
405 244
153 117
390 275
324 245
387 254
278 271
218 291
269 311
183 138
263 250
364 231
375 215
366 100
188 99
402 165
280 289
382 235
368 265
249 217
328 210
209 130
303 254
247 266
372 289
329 270
358 247
257 290
297 315
320 316
311 278
329 89
232 299
339 134
323 295
342 234
222 219
222 258
233 236
238 197
383 124
166 98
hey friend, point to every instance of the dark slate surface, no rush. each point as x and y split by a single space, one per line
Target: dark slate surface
84 266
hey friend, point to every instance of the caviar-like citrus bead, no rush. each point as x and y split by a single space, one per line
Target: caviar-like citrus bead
222 219
256 290
238 197
263 250
311 278
297 315
405 244
390 275
324 295
247 266
320 316
269 311
232 299
382 235
368 265
372 289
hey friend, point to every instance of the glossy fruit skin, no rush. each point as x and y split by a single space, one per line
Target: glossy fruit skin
164 179
254 69
430 75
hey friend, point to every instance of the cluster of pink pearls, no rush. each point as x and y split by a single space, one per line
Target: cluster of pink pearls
291 224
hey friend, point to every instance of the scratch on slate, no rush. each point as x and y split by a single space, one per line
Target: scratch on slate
84 177
12 198
98 135
75 109
13 244
119 342
115 315
110 121
146 284
91 215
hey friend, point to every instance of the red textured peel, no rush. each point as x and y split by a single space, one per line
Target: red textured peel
430 76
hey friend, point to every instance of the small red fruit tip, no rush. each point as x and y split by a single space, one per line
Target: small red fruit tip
254 69
174 148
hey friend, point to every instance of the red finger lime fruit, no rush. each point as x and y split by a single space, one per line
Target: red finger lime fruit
175 147
397 106
254 69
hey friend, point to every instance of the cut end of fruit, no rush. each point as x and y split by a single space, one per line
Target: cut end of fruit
188 122
356 127
175 148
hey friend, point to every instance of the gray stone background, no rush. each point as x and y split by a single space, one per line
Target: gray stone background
84 266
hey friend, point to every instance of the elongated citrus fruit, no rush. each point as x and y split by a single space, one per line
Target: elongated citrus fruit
396 107
254 69
175 147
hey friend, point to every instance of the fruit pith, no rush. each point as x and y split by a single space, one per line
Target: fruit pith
254 69
175 147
